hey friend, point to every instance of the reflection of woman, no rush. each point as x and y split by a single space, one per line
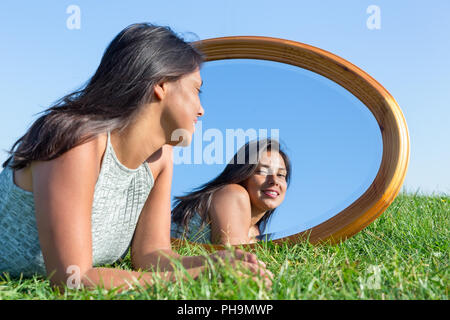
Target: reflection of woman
234 207
92 176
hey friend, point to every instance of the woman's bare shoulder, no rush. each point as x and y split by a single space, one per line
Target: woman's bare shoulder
91 151
232 192
230 215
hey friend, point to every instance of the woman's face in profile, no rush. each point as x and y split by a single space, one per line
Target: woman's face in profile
183 107
267 186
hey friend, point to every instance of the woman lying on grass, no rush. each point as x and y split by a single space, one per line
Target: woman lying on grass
91 177
234 207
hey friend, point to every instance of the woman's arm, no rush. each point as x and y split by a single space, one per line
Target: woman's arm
230 215
151 245
63 191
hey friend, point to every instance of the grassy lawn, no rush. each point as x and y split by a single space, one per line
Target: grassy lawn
404 254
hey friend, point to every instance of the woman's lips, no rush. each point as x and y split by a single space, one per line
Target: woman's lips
270 193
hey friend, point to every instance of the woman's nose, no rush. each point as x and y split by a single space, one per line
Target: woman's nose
272 179
201 111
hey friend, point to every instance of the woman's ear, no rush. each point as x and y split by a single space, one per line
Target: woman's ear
160 90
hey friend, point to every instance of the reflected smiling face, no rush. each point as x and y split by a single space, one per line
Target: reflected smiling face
267 186
183 107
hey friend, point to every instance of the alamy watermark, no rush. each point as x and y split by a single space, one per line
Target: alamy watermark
74 20
372 281
219 148
374 20
74 280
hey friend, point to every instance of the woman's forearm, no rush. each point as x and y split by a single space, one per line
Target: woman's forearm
109 278
164 260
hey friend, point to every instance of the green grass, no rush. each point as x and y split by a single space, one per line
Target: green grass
404 254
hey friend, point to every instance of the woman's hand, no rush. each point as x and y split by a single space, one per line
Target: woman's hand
244 259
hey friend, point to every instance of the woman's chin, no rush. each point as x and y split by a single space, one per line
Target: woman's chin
270 204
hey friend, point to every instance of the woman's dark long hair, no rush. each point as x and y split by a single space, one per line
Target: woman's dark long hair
139 57
241 167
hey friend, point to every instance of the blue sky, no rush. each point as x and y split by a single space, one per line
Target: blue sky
41 59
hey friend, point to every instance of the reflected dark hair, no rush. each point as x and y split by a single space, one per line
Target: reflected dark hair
241 167
139 57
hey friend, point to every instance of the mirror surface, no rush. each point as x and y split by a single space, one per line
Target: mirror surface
332 139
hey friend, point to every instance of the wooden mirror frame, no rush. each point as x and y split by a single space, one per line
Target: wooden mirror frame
391 174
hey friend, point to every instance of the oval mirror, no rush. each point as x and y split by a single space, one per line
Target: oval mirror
345 136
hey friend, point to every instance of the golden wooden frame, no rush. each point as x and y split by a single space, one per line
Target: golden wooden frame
385 109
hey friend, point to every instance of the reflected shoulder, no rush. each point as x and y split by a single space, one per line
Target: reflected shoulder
232 192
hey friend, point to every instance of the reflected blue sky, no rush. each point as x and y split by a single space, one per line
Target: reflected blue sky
332 139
